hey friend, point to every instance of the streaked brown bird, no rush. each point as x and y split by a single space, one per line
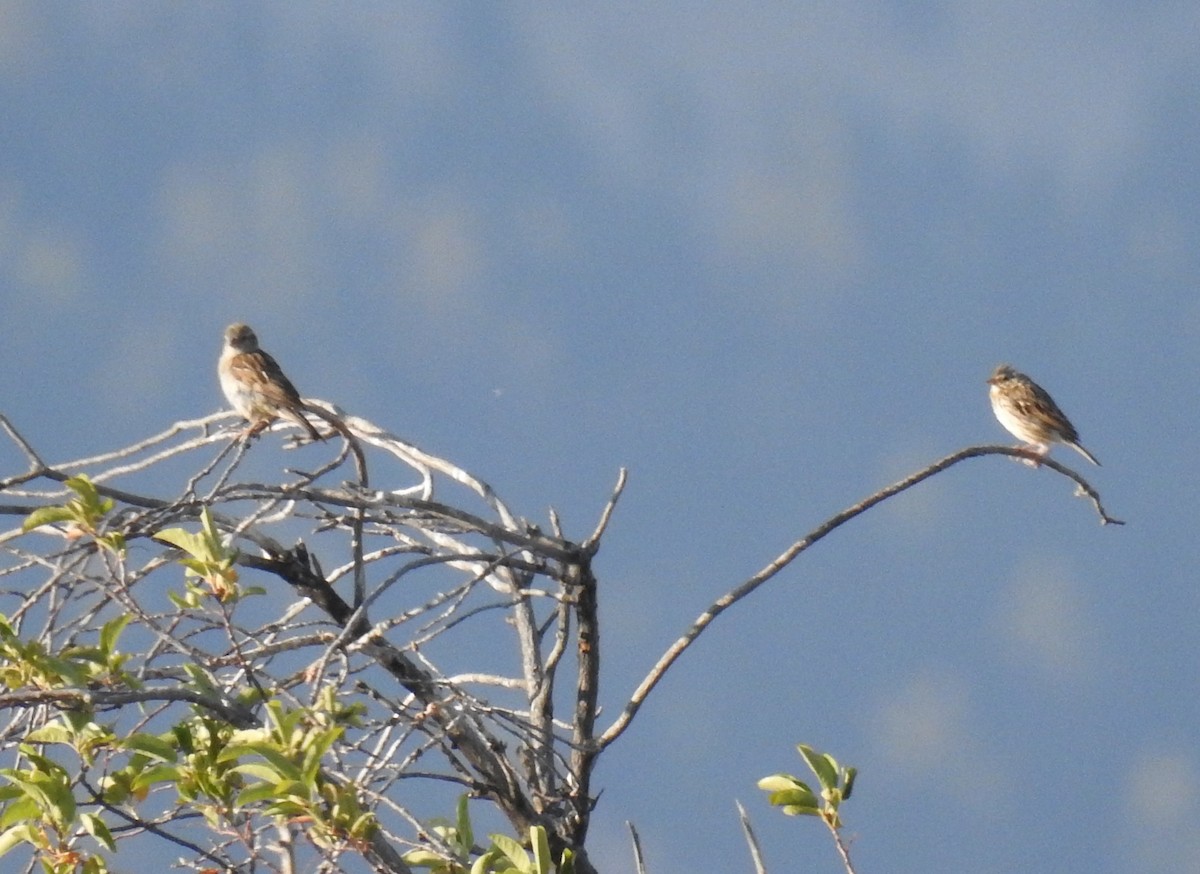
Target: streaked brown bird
1028 412
255 385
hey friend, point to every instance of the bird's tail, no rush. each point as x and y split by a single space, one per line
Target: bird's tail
1078 447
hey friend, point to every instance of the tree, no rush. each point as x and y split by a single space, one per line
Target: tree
165 692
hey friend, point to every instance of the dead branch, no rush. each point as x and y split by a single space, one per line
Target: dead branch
785 558
441 570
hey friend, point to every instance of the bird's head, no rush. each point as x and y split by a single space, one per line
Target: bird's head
240 337
1003 373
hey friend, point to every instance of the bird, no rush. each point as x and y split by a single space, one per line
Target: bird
255 386
1027 411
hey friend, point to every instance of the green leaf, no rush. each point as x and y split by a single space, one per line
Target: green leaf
362 827
421 858
800 810
15 836
114 540
51 733
781 783
566 865
63 803
212 536
89 498
180 539
190 601
541 849
151 776
111 631
72 673
794 798
284 767
20 810
259 771
151 745
46 516
295 790
315 747
289 807
484 862
465 836
95 827
256 793
851 774
514 852
822 764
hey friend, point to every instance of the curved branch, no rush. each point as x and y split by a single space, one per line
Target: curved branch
103 699
155 829
526 780
788 555
592 544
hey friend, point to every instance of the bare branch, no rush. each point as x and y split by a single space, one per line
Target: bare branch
411 536
36 465
788 555
760 866
103 699
639 862
593 542
441 569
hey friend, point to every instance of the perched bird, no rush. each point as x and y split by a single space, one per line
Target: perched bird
255 386
1028 412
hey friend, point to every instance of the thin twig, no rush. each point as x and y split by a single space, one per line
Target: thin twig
843 850
639 863
182 652
719 606
102 699
593 541
760 866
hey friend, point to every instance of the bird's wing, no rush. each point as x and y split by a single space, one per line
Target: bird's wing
261 372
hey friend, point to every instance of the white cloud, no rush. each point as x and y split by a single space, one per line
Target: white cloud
357 179
681 107
243 230
137 363
258 228
1025 84
922 511
927 728
49 265
42 260
726 101
1162 803
1043 621
446 253
1164 790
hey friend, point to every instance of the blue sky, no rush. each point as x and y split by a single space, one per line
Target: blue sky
763 255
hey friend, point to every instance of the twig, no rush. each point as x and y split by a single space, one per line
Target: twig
155 829
101 699
35 461
590 545
638 861
181 651
756 855
785 558
843 850
1084 487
